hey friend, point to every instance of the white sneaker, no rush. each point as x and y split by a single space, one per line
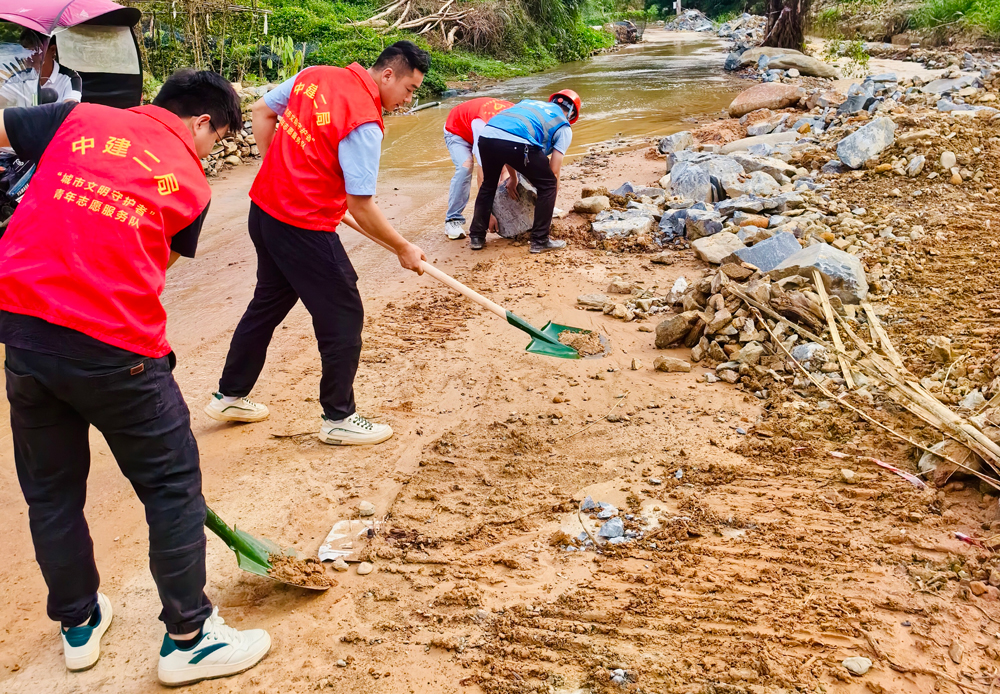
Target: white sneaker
82 645
454 230
242 410
222 651
353 431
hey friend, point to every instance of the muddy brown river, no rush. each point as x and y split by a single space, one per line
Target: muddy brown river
642 90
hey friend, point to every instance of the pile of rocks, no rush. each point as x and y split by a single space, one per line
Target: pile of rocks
744 31
240 146
690 20
722 331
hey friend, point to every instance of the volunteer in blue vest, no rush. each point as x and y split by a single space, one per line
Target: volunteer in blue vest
320 161
530 138
117 197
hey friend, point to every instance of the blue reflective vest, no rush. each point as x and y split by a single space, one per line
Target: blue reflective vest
535 121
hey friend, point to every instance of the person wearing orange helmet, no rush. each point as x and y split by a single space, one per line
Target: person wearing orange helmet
530 138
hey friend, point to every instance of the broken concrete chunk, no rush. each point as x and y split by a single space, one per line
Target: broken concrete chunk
843 274
593 302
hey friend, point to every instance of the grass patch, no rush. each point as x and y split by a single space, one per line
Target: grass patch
970 15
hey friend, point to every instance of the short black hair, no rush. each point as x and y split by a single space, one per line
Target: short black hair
190 92
404 54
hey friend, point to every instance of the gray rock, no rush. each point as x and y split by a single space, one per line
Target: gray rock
944 86
515 217
945 106
701 223
366 508
622 228
671 365
768 254
691 181
613 528
588 504
835 167
857 665
916 166
676 142
732 62
750 353
747 142
843 273
759 183
752 56
809 352
713 249
855 103
866 142
805 64
673 224
775 168
744 203
973 401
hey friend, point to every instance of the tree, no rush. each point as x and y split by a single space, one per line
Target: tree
786 21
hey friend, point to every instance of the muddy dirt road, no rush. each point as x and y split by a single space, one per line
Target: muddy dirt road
763 572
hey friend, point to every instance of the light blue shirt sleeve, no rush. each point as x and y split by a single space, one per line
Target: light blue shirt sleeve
359 155
277 98
563 140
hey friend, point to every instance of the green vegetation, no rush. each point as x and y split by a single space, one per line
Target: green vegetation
500 38
970 15
854 51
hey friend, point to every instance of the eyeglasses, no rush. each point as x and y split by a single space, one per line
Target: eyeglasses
218 137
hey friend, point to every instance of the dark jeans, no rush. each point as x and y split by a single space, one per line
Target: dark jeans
293 264
527 160
139 409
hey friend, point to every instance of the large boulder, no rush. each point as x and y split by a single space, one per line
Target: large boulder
515 217
843 274
768 254
714 249
691 182
866 142
772 95
805 64
752 56
944 86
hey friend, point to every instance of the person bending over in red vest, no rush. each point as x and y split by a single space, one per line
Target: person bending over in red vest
320 161
117 197
461 135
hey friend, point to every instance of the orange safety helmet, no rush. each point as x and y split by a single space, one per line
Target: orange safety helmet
570 98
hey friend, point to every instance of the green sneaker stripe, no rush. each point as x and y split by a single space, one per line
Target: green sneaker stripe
201 654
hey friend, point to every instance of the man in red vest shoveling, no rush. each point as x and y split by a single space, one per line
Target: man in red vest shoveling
319 163
461 135
117 197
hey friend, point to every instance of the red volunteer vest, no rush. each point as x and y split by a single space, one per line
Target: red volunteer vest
301 182
460 118
88 246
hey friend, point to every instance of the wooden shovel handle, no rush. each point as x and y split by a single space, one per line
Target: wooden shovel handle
445 279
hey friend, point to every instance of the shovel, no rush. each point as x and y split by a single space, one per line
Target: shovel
544 341
254 554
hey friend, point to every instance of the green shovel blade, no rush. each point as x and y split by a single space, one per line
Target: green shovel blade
546 340
252 553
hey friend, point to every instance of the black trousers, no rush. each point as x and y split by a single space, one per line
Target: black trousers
139 409
293 264
527 160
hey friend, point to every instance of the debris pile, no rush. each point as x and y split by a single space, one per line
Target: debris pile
690 20
240 146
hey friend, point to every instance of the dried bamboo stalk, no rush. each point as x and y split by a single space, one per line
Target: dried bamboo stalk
887 347
832 323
